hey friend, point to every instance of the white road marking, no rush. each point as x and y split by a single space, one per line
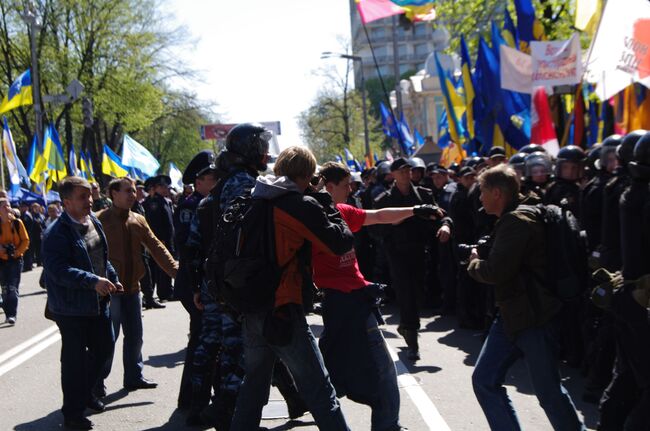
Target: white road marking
422 402
28 349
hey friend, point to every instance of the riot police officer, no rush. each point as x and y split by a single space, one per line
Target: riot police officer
201 173
626 401
537 173
610 237
564 191
592 195
417 170
159 215
405 249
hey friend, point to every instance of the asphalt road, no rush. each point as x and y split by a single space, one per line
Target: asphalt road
436 392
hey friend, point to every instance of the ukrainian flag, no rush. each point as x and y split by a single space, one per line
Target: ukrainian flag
453 105
53 154
20 93
36 165
509 32
468 84
112 164
528 26
85 168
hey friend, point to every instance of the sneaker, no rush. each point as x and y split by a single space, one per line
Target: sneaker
11 320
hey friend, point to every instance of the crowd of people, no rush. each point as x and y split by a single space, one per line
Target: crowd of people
474 241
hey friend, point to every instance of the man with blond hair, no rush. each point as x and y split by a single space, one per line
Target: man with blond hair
299 221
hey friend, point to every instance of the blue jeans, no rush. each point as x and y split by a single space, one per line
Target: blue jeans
536 347
305 363
385 415
86 344
126 311
10 280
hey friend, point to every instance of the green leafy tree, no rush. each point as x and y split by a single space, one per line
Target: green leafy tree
473 19
122 51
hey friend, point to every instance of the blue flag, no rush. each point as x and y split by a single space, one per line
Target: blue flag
351 161
444 139
406 141
72 162
419 140
388 122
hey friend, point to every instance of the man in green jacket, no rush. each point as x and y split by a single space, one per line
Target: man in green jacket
516 266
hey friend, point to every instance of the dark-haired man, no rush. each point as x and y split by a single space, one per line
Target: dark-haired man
127 232
354 350
80 280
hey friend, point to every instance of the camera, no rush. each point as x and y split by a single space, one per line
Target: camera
10 249
482 246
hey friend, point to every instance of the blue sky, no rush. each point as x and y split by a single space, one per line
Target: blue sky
257 57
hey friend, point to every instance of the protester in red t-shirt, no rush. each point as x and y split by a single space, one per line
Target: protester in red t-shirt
353 347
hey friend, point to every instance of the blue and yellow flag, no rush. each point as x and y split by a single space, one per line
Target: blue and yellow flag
509 33
85 167
53 154
528 26
112 164
468 85
20 93
36 165
453 105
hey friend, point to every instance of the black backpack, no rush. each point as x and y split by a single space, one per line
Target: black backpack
242 263
566 252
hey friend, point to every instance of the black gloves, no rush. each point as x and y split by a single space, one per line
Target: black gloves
428 211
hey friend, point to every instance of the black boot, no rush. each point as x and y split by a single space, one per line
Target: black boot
411 338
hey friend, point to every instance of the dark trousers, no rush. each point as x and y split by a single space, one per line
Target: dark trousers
447 275
625 405
10 280
146 282
28 259
407 277
185 295
86 344
471 302
163 282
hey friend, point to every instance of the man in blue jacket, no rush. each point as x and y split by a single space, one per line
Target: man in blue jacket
80 281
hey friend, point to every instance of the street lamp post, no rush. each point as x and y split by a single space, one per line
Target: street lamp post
31 18
366 137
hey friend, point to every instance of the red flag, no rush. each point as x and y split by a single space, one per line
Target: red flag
542 130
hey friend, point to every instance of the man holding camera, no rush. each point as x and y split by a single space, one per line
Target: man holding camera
14 242
516 266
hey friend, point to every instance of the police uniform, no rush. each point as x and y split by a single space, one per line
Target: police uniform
159 215
565 194
405 248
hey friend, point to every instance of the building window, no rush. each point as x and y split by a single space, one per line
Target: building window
421 49
403 50
378 33
420 29
381 51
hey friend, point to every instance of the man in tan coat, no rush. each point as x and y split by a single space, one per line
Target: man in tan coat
127 232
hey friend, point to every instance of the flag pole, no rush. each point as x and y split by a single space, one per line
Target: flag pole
381 80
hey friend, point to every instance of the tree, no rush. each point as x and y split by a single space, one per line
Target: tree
122 51
335 120
473 19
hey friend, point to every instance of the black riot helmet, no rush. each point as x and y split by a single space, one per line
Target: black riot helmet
570 154
517 163
537 159
251 142
607 148
532 148
640 166
625 151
